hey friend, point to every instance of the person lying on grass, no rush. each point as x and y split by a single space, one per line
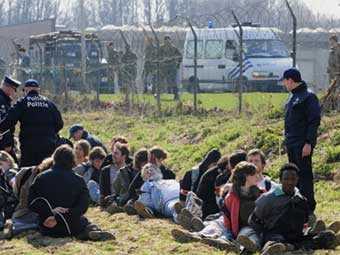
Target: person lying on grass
157 196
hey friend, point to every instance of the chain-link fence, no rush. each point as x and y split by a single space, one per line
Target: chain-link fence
236 48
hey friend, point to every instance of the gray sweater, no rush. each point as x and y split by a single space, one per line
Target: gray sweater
271 206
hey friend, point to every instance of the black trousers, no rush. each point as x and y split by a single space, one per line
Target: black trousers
305 184
34 154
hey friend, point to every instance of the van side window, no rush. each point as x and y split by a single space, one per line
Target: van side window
230 49
214 49
190 49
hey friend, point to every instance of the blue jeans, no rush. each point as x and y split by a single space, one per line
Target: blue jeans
252 235
94 191
155 202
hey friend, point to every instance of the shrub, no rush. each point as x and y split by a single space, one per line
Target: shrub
336 138
333 154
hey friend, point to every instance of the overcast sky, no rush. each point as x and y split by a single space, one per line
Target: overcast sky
328 7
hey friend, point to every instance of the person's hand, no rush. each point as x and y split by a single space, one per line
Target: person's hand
306 150
50 222
60 210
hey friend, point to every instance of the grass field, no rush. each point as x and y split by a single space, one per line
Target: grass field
187 138
225 101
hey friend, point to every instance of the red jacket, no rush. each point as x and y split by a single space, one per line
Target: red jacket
232 212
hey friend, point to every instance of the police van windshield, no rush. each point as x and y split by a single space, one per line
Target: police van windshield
265 49
191 47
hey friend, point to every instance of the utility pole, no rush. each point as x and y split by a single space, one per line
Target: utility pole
85 87
240 77
195 83
294 31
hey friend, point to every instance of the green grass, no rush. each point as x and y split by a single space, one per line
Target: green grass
187 138
225 101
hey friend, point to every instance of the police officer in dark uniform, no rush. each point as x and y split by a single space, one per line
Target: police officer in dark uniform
40 122
8 90
302 120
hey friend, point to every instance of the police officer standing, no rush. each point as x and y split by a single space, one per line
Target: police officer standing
8 90
302 120
40 122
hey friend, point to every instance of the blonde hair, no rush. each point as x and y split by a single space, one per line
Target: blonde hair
5 156
150 172
46 164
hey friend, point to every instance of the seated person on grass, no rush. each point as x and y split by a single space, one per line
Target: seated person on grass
280 216
8 200
156 156
109 160
258 158
60 198
192 177
23 218
82 149
207 191
125 177
90 171
213 226
110 172
239 204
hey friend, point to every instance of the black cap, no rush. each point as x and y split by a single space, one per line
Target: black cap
31 83
292 73
74 128
12 82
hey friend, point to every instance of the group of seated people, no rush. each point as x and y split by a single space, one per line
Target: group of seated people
225 201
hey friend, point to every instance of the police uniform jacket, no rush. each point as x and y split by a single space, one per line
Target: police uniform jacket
5 104
39 118
302 117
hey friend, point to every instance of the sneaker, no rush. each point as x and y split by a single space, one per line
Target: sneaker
273 248
184 236
185 218
220 244
197 224
143 211
99 235
129 209
114 208
178 206
247 243
318 227
324 240
335 226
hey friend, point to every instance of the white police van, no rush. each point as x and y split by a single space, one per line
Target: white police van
265 58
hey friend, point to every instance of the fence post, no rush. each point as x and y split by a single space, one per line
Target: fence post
294 31
240 78
195 65
158 89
